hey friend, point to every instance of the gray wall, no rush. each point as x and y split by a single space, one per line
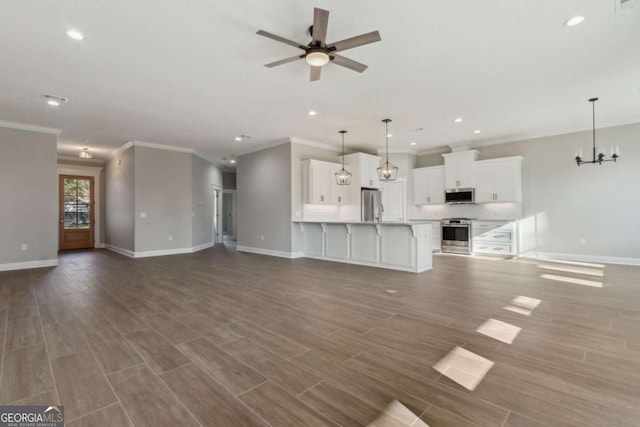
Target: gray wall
29 194
120 200
163 192
264 199
229 180
564 204
204 176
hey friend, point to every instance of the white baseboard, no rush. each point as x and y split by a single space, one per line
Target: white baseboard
99 246
120 251
581 258
202 246
270 252
163 252
29 264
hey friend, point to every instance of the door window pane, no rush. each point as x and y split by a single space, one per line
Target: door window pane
77 203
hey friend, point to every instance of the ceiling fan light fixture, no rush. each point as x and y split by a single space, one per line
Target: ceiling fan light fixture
317 57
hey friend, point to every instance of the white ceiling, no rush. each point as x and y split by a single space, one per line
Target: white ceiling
191 73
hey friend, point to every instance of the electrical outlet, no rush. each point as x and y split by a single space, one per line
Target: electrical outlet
25 247
262 237
170 238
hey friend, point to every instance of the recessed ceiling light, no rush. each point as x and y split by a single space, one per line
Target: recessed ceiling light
573 21
232 161
476 131
458 120
413 143
76 35
53 103
312 113
238 138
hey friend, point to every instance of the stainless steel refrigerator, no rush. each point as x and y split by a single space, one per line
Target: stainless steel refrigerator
371 205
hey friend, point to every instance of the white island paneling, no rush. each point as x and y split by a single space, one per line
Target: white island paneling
397 246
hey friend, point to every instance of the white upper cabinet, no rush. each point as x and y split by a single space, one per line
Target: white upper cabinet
364 169
499 180
393 201
428 185
459 169
319 183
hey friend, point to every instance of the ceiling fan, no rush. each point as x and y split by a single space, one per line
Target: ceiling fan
318 53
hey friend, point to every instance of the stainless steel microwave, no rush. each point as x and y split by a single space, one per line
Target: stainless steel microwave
453 196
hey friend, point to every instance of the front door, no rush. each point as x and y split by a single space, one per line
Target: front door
76 212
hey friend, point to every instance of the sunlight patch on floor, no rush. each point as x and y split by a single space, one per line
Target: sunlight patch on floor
572 280
578 263
576 270
523 305
393 413
464 367
499 330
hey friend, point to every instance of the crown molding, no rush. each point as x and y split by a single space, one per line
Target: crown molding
95 161
29 127
263 146
119 150
309 143
397 151
162 147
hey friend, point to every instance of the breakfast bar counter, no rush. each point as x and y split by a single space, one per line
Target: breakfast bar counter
402 246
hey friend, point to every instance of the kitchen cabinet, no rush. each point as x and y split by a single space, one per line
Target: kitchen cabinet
364 169
428 185
499 180
459 169
393 201
319 183
493 238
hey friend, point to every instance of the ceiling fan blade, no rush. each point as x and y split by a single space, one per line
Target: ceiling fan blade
284 61
320 23
315 73
356 41
348 63
281 39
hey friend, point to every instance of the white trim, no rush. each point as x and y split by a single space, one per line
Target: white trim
301 141
162 146
95 161
32 128
202 246
121 251
382 151
119 150
270 252
100 246
268 145
29 264
369 264
581 258
163 252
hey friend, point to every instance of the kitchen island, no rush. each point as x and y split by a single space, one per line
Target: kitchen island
402 246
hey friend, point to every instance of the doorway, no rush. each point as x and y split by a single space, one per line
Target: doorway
217 209
76 212
229 214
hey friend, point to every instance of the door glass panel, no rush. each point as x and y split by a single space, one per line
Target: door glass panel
77 203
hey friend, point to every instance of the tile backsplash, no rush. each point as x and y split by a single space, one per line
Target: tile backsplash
497 211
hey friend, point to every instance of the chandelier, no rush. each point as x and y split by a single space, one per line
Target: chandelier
343 176
601 156
387 171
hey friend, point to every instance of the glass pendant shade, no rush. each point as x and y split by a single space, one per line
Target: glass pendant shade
343 176
387 171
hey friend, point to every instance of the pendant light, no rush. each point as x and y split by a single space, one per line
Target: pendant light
343 176
600 157
387 171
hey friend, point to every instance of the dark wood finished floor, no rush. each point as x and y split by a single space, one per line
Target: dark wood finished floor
220 338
